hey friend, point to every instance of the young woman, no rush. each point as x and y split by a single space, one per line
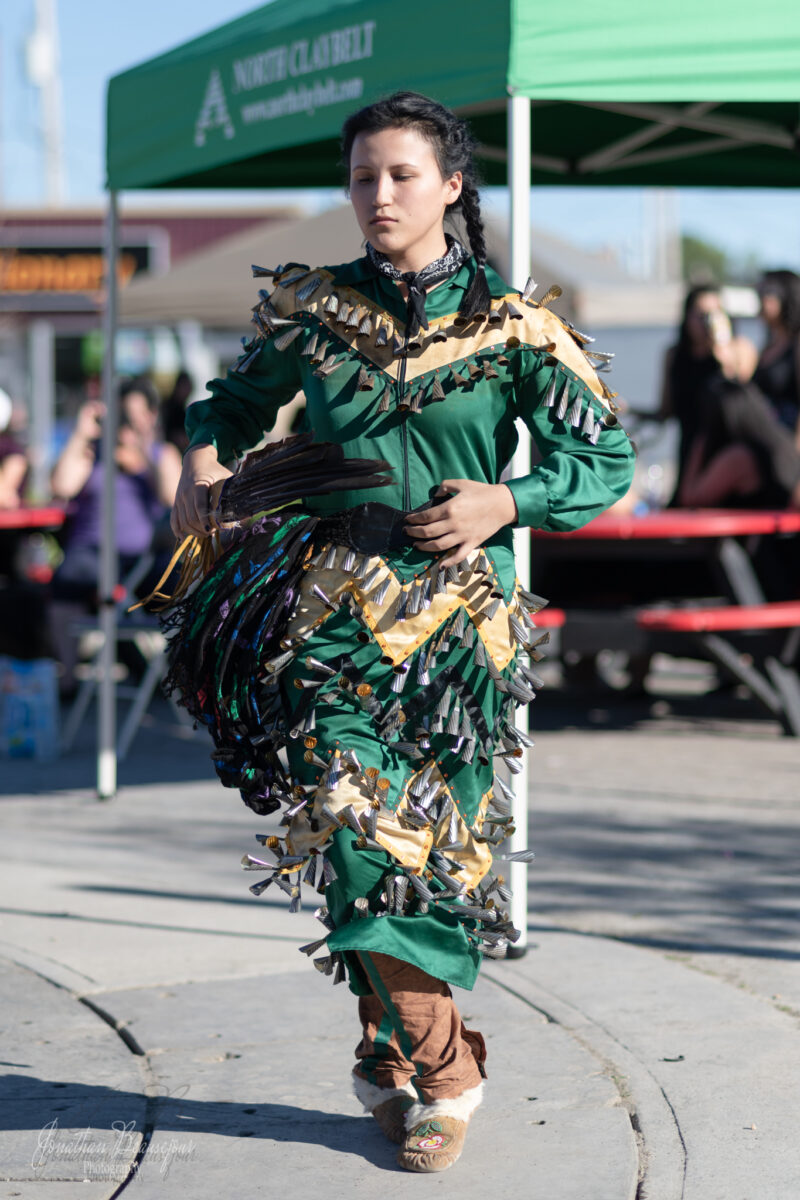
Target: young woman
395 685
777 375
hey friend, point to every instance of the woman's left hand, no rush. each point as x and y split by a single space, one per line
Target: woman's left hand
467 520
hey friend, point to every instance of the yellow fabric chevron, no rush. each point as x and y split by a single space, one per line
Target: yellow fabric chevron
399 639
538 327
410 847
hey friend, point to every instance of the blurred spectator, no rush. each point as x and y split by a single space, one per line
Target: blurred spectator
777 375
147 472
706 352
174 411
13 462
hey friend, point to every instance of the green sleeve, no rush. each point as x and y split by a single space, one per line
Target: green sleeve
244 405
576 479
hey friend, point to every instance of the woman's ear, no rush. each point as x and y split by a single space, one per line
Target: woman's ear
453 187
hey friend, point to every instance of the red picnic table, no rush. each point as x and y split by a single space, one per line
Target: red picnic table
27 516
654 545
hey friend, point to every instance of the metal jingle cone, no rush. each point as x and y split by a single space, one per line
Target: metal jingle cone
440 587
329 561
284 339
328 873
469 636
310 345
453 721
349 814
383 335
493 606
468 750
479 656
561 410
463 566
382 790
322 914
475 371
383 407
529 289
329 816
437 391
292 274
400 890
343 313
420 887
588 420
265 272
306 291
349 559
513 312
324 965
317 664
251 863
399 680
574 415
371 775
319 353
523 856
312 947
296 902
550 395
398 349
552 293
339 972
505 791
361 567
402 602
595 434
331 364
354 318
318 592
388 892
489 371
458 379
258 888
380 594
439 334
365 325
309 877
371 580
364 383
371 823
361 906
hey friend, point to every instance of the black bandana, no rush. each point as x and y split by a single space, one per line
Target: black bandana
418 281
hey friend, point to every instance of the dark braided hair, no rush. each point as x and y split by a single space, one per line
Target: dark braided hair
454 147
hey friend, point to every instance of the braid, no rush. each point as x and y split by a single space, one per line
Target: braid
454 147
477 298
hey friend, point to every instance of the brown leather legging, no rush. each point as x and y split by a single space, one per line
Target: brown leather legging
413 1032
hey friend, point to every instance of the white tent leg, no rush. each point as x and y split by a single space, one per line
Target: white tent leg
107 580
519 190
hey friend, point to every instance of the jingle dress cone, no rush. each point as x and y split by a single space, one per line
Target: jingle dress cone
395 690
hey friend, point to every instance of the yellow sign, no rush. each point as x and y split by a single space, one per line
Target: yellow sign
78 272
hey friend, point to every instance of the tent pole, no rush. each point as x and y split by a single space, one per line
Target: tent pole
519 192
107 579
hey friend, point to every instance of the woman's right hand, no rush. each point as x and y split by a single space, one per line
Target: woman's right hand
190 512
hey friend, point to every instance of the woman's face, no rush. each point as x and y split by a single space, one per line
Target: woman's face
398 194
138 414
704 304
770 305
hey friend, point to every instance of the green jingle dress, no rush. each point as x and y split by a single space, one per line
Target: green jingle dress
399 681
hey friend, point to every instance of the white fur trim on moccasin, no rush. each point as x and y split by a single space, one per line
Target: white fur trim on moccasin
371 1095
461 1107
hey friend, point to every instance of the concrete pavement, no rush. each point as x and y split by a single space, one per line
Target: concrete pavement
644 1049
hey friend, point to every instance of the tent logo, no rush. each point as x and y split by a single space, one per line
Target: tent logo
214 112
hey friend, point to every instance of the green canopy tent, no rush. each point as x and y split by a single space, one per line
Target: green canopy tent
684 93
